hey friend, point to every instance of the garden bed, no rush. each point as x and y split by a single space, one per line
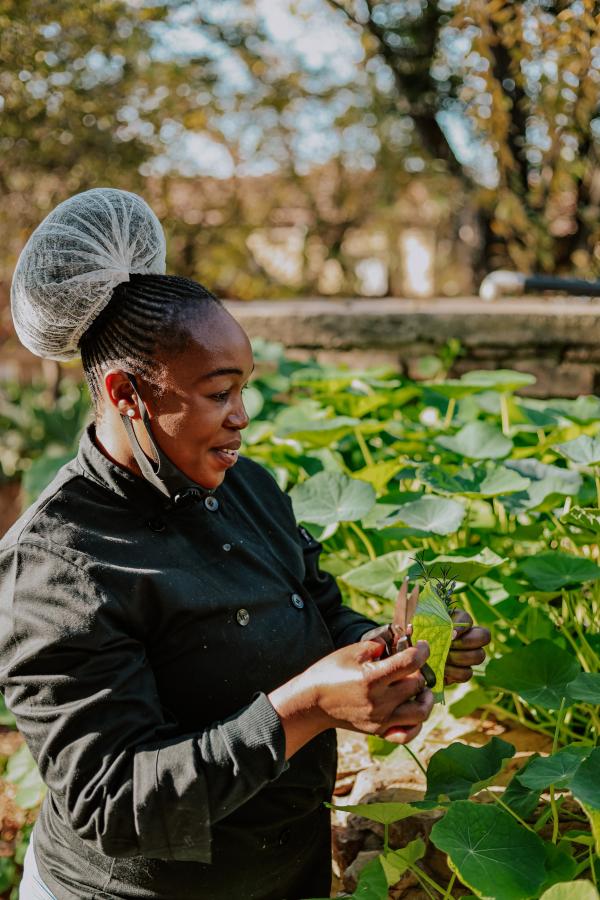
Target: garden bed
492 500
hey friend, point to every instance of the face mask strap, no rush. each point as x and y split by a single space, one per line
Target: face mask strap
161 473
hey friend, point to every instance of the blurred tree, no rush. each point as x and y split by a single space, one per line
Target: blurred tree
505 96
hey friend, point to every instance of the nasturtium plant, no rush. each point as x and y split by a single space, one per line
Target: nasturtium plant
478 440
540 673
554 570
459 771
331 497
490 851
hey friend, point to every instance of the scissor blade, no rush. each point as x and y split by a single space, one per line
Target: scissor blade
399 620
411 605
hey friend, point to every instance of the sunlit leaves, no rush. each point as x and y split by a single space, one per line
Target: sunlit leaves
331 497
458 771
478 440
554 570
382 576
539 672
436 515
487 847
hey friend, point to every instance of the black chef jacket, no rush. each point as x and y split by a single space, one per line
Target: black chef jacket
137 645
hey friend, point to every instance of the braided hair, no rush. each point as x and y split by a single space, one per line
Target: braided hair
145 314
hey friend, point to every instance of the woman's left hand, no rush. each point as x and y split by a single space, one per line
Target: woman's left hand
466 649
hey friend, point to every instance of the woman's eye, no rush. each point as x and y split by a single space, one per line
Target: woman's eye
222 397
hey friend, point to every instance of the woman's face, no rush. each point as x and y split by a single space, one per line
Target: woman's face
199 414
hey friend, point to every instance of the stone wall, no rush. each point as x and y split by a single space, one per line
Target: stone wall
557 340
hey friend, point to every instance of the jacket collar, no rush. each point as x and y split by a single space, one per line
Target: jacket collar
114 477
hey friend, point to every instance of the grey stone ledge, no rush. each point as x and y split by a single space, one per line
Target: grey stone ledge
390 323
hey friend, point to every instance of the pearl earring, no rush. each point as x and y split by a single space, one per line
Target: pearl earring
131 413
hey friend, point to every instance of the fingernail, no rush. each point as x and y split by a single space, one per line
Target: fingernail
422 644
454 633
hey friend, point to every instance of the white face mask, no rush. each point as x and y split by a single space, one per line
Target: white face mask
73 261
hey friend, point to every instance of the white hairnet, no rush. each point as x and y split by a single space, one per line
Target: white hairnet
72 262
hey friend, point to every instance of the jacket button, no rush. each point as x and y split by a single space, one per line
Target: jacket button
211 503
242 616
156 525
227 547
297 601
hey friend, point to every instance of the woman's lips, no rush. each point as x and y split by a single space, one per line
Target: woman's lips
227 458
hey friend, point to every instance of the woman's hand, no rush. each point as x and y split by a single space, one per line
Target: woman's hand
466 650
353 688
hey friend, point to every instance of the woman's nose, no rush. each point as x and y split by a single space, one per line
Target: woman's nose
238 418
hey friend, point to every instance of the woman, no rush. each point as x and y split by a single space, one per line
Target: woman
174 657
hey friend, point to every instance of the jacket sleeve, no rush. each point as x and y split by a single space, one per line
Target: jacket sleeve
85 698
345 625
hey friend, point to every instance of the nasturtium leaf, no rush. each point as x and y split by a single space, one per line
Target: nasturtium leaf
432 623
560 865
381 576
22 771
593 816
481 480
380 473
452 388
518 797
435 515
469 702
583 410
384 813
477 440
372 882
583 451
492 854
585 518
556 769
458 771
323 432
546 482
586 688
502 380
396 862
571 890
357 405
585 783
463 566
330 497
253 401
554 570
540 673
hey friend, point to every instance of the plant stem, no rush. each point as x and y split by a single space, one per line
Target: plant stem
416 759
504 414
364 539
593 867
449 412
597 481
417 873
553 806
508 810
428 879
448 893
386 837
363 447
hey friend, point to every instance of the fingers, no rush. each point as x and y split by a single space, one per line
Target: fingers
408 718
457 674
402 734
461 617
398 666
475 638
466 658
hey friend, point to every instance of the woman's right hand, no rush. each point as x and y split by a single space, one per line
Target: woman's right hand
353 688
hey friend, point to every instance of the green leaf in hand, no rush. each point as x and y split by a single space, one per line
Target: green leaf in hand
432 623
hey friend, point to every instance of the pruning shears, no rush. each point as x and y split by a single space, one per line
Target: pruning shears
398 635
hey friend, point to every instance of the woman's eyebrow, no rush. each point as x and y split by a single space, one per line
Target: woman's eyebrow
217 372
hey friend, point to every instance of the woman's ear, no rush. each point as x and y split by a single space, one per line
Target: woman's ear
120 394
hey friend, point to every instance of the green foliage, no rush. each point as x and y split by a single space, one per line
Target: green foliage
387 498
459 771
